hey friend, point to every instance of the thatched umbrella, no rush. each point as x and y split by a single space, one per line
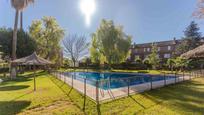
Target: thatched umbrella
34 60
196 53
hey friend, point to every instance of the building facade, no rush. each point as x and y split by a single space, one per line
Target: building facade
166 49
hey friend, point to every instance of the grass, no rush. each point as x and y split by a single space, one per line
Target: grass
55 97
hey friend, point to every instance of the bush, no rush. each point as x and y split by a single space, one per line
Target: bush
89 66
4 70
129 66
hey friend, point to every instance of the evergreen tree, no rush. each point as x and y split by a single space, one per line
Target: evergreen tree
191 40
26 44
193 35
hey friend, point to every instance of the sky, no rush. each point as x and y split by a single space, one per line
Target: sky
145 20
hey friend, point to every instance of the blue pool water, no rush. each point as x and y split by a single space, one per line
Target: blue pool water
116 80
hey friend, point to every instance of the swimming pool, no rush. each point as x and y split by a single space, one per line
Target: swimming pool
116 80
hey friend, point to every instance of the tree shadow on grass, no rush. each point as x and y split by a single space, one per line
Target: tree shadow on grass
23 78
13 107
184 96
14 87
31 74
67 91
137 102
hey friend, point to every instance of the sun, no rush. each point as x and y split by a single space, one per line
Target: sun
88 8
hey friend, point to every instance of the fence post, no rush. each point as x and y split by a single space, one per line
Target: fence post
84 94
175 77
72 82
164 79
183 75
195 74
151 81
190 74
64 77
128 87
60 76
97 97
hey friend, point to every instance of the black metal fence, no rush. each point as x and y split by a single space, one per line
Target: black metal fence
110 88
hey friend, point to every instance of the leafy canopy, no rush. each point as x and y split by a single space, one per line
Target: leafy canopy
47 34
153 57
109 43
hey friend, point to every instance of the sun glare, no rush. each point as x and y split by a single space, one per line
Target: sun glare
88 8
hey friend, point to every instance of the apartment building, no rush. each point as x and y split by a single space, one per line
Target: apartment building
166 49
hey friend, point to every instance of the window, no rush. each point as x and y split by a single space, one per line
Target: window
148 49
144 49
167 55
136 50
159 48
169 47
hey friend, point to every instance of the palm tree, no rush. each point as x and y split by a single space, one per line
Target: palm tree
21 14
18 5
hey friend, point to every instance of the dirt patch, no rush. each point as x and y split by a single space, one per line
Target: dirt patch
49 109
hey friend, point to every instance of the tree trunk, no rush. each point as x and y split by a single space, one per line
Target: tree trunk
14 44
74 64
14 41
21 27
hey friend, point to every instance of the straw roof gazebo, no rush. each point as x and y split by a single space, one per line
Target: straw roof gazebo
197 53
32 60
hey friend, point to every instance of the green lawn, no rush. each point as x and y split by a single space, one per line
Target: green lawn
55 97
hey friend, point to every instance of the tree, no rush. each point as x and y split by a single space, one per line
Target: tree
94 51
138 60
183 47
66 62
153 57
75 47
192 33
146 62
26 2
26 45
111 42
191 40
47 35
18 5
1 53
171 63
180 63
